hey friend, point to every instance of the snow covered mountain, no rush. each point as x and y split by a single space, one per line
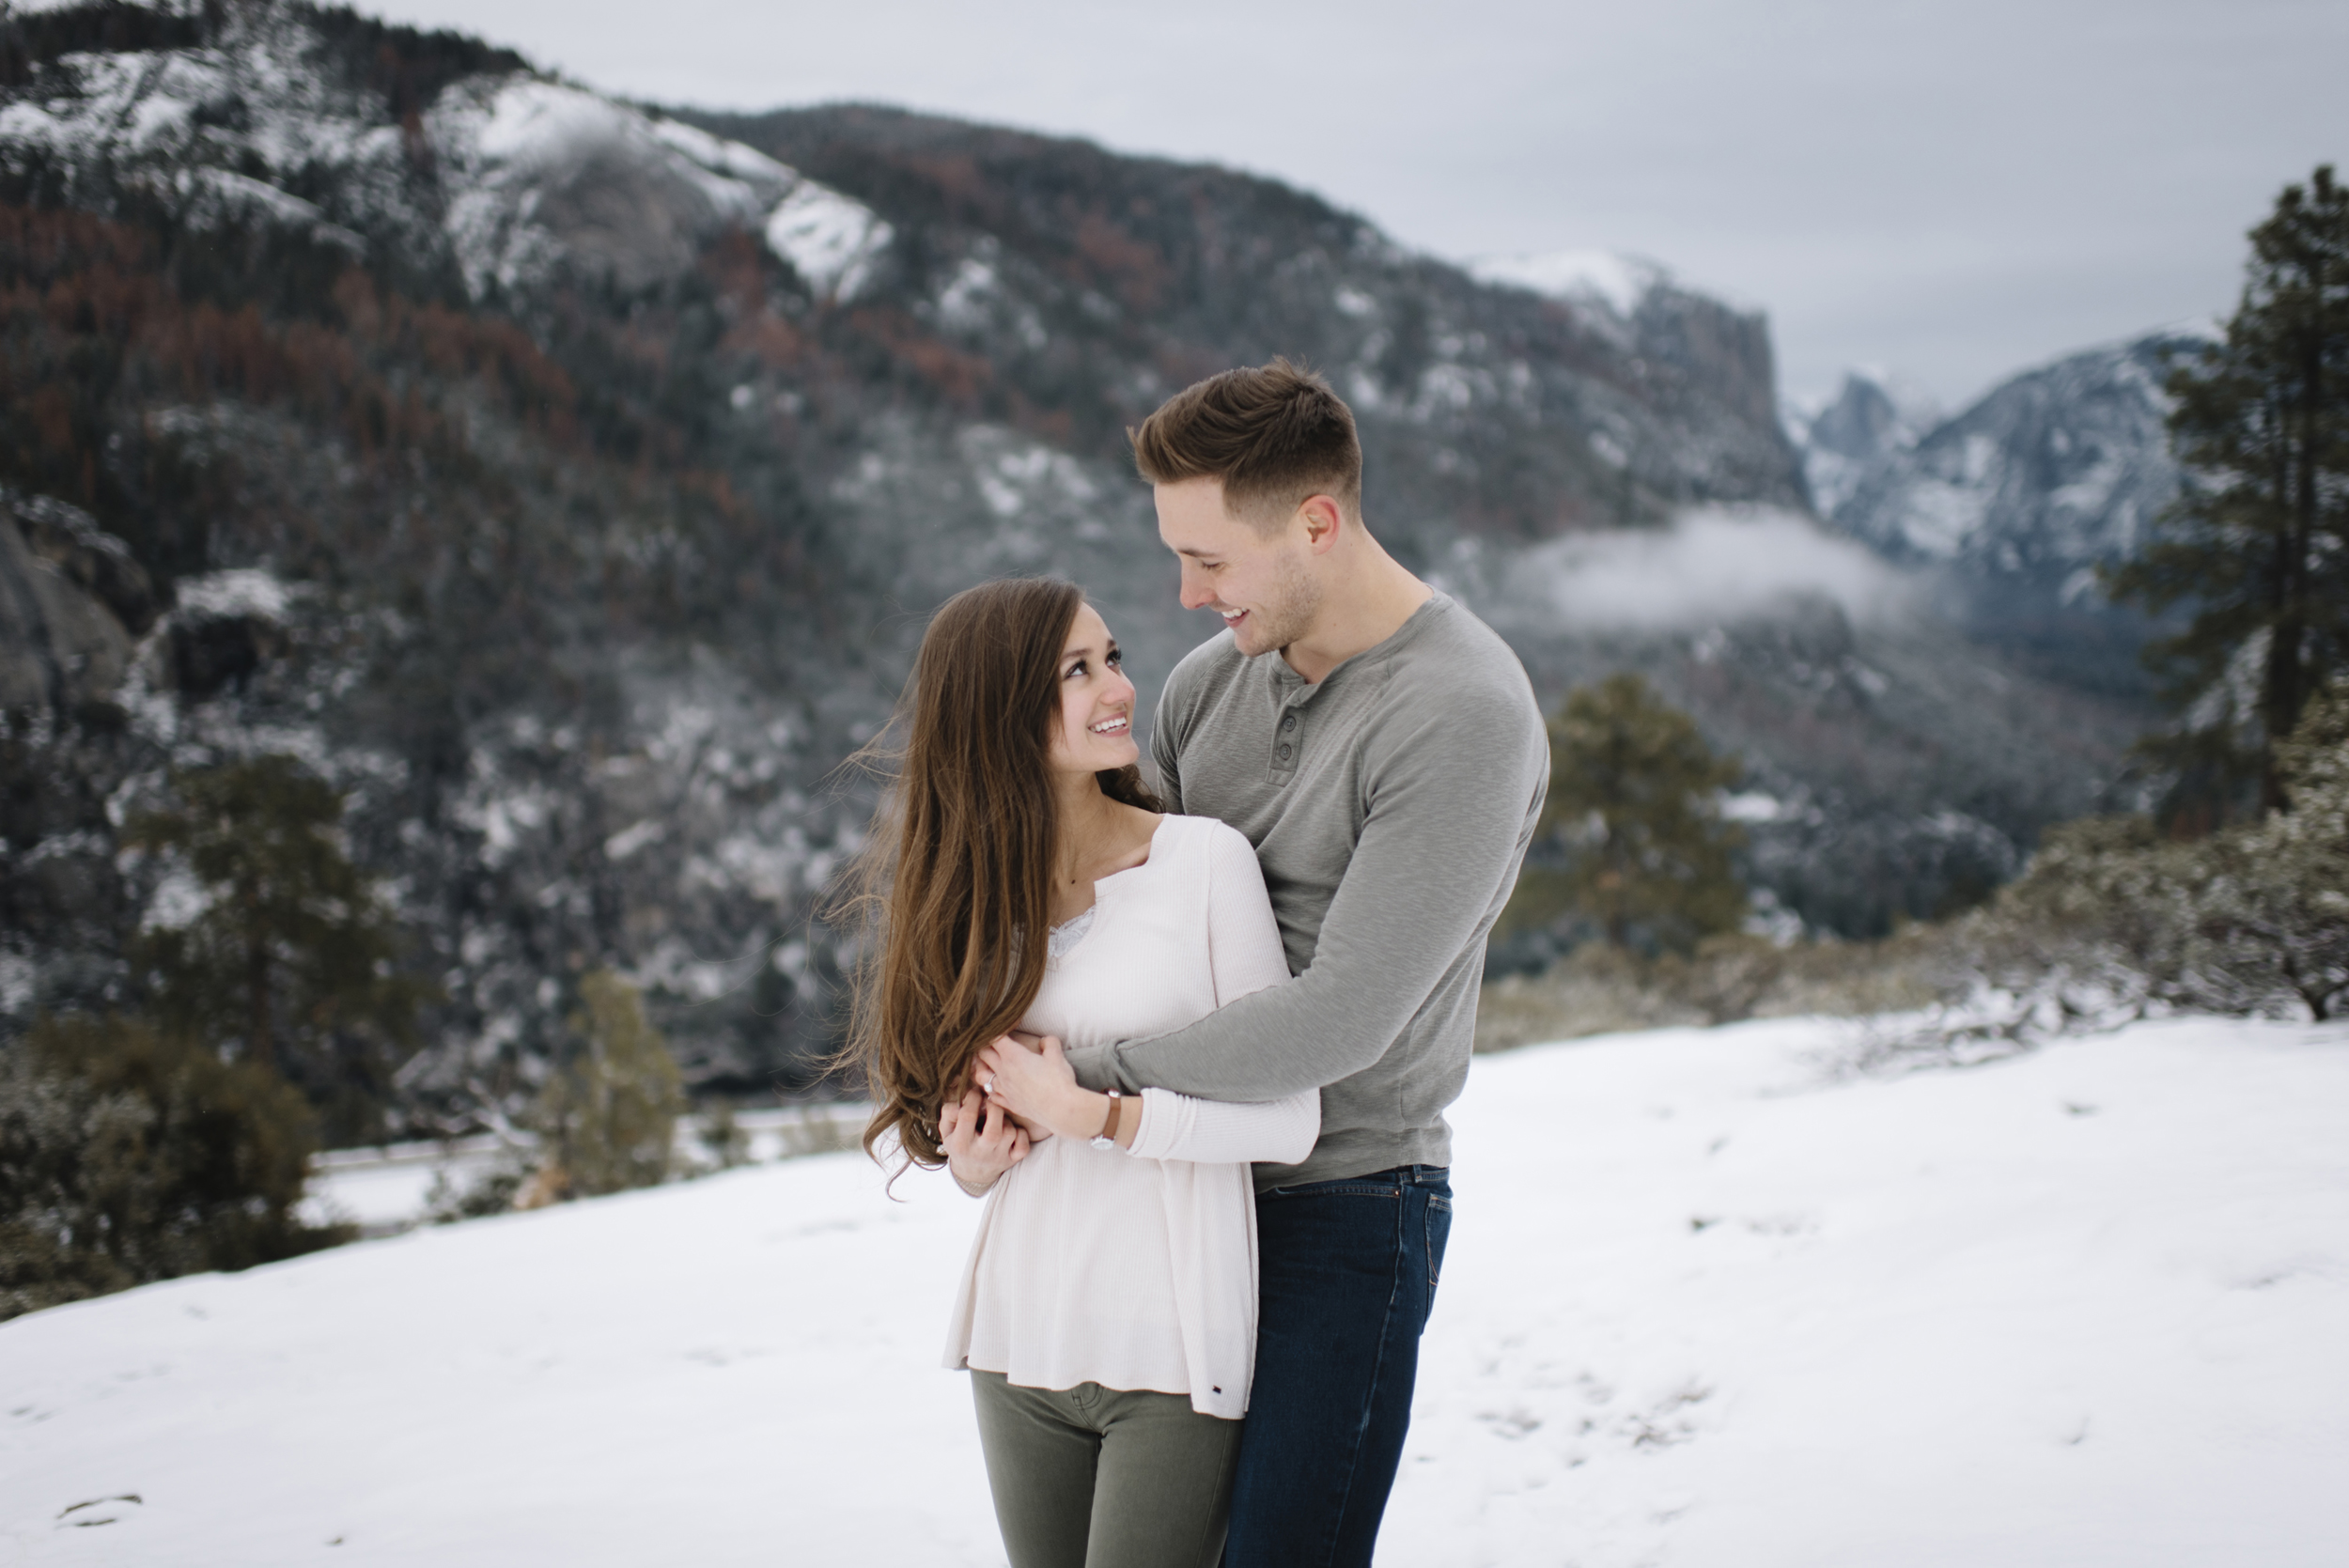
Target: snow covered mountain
2014 501
2045 474
1649 315
511 178
1607 280
1871 420
568 480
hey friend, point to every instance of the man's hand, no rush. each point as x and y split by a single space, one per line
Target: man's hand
981 1142
1036 1084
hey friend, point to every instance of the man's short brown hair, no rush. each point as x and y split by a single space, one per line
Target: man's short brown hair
1273 435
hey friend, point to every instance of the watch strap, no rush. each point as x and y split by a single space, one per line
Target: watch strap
1107 1137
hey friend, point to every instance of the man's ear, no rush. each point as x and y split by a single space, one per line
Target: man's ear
1322 519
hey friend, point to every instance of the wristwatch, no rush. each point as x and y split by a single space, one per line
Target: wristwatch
1107 1137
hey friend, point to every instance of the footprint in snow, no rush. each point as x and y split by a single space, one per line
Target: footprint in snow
100 1511
1512 1424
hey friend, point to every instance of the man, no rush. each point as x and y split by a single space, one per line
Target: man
1382 750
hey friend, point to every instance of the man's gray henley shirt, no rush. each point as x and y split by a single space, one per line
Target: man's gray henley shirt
1390 804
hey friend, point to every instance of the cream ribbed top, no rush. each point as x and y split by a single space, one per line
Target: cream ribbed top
1138 1270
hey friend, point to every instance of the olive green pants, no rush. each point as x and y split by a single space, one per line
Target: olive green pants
1091 1477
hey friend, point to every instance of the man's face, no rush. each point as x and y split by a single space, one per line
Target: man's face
1263 585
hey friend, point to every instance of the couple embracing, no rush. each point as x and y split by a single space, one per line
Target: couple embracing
1193 1045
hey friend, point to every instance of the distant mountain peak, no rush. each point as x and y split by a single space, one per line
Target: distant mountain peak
1871 416
2054 469
2016 500
1609 278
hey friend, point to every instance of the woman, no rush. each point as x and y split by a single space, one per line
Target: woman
1106 1314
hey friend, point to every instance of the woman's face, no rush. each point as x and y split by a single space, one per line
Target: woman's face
1097 702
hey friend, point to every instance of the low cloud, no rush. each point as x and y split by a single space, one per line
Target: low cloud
1714 565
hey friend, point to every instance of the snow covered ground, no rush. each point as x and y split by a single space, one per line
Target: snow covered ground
1706 1304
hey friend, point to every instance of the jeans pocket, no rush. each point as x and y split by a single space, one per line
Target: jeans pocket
1438 1232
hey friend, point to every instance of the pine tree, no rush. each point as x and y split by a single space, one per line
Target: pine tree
1633 792
291 956
2258 545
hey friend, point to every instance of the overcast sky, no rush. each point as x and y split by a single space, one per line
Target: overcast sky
1950 191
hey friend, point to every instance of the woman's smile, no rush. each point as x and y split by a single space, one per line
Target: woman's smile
1096 701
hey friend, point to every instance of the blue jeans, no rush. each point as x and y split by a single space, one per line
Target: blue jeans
1347 1273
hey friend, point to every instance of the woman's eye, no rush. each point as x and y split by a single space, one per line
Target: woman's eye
1077 669
1116 661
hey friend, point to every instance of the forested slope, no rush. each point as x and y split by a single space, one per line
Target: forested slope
567 481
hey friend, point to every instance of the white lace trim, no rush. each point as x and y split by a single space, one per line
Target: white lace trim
1063 938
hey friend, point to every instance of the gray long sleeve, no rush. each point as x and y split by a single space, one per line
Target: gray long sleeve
1390 829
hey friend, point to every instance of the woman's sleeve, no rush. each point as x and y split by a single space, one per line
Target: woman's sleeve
1244 955
1224 1132
1244 951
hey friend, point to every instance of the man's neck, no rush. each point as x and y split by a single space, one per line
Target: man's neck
1358 613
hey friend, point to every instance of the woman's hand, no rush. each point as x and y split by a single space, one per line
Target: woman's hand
1039 1087
981 1142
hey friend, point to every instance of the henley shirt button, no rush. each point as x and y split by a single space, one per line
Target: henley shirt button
1284 750
1289 723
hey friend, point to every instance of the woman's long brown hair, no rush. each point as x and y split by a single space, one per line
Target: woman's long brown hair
954 888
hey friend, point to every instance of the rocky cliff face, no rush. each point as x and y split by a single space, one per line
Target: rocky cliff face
568 481
1095 286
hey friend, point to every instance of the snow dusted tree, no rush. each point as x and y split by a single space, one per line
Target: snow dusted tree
2258 545
289 960
1634 795
2275 915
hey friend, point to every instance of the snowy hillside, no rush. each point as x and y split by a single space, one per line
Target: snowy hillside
511 176
1706 1304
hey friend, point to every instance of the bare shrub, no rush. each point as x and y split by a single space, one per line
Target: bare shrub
1599 989
608 1121
129 1154
2112 923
